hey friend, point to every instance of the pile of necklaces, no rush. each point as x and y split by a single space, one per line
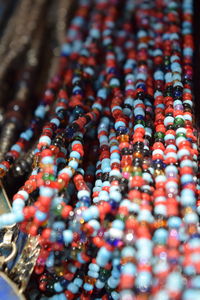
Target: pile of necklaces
112 193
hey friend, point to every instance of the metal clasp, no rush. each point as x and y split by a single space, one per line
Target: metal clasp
5 259
9 242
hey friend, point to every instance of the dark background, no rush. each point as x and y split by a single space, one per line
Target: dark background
197 60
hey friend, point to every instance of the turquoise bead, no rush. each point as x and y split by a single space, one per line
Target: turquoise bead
87 287
58 288
72 288
67 236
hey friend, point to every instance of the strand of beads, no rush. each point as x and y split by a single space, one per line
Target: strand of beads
48 97
121 222
189 184
159 154
71 288
106 252
41 111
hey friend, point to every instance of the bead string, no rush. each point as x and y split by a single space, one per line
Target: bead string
113 179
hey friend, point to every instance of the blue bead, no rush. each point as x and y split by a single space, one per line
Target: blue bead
176 67
115 273
103 256
86 199
40 111
102 93
128 251
191 294
58 288
186 178
106 169
115 295
18 203
58 225
64 282
141 86
45 191
114 204
17 217
67 236
94 267
99 284
112 148
196 282
78 282
62 296
118 224
73 288
93 274
73 164
80 259
116 196
143 280
88 287
65 50
23 135
16 148
158 75
47 160
177 93
55 121
95 224
160 236
129 268
119 124
115 156
91 213
40 215
3 167
139 117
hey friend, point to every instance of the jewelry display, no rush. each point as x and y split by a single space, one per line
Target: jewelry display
99 151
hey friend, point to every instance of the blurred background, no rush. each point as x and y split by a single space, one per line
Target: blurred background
31 33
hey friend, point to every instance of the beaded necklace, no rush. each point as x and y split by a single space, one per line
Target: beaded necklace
112 195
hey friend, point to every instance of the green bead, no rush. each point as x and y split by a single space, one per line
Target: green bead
159 135
166 62
58 210
48 176
113 86
108 288
45 176
104 274
77 138
140 122
137 173
180 134
168 94
121 217
179 122
52 177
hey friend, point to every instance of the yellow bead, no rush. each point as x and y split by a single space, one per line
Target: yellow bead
126 260
123 138
2 172
90 280
158 172
137 154
128 169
